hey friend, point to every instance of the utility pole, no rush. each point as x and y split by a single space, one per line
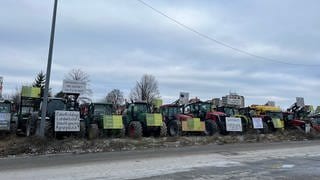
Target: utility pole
46 89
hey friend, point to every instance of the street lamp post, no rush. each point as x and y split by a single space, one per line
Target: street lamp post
46 89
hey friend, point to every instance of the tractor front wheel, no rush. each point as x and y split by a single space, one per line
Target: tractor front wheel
93 131
162 130
135 129
174 128
211 127
265 129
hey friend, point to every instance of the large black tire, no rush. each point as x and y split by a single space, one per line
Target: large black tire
211 127
265 129
13 128
245 125
93 131
82 132
162 130
122 132
48 129
135 129
174 128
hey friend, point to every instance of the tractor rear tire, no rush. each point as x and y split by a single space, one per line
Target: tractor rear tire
135 129
48 129
13 128
265 129
82 132
122 132
93 131
162 130
211 127
174 128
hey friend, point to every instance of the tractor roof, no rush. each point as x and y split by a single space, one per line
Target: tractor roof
266 108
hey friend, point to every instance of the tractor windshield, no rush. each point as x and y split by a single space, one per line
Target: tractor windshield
102 110
231 111
206 107
277 115
172 111
141 108
4 108
54 105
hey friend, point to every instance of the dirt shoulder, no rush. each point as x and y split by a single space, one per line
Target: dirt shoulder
31 146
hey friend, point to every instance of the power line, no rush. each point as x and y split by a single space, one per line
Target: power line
220 42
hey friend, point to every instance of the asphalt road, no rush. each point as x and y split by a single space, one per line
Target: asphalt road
287 160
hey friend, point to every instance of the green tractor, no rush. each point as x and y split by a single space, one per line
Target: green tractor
7 124
63 118
100 120
28 111
140 120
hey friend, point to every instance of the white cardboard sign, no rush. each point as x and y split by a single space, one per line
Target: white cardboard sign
307 128
233 124
232 101
73 87
5 121
184 97
67 121
257 123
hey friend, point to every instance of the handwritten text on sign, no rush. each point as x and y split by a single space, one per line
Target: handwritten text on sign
233 124
67 121
73 87
257 123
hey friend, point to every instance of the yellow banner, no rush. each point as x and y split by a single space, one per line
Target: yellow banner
28 91
193 124
154 119
157 103
278 123
112 122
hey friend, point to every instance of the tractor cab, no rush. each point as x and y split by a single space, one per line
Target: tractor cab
270 115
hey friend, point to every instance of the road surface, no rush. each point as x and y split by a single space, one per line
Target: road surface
287 160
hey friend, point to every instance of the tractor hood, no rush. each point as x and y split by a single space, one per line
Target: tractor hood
216 113
183 117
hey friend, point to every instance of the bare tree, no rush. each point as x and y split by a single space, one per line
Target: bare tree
78 75
146 89
115 97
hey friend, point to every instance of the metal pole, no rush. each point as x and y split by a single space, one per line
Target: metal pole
46 89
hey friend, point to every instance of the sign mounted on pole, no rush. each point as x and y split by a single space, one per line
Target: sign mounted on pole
300 101
184 98
257 123
73 87
233 124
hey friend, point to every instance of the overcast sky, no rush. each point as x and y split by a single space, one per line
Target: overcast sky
117 41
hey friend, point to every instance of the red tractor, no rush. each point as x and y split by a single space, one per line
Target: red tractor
215 121
179 123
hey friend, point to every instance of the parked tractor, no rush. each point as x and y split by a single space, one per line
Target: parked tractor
232 111
28 111
297 116
140 120
215 121
179 123
270 115
250 113
63 118
100 120
7 123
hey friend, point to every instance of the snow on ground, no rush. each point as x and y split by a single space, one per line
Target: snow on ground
148 167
